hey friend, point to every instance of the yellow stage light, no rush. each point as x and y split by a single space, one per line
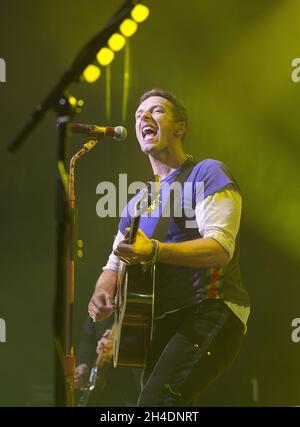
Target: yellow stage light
91 73
72 100
140 13
128 27
105 56
116 42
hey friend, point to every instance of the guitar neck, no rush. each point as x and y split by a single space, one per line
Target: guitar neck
143 205
135 222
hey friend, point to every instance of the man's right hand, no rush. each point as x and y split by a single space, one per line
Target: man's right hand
101 305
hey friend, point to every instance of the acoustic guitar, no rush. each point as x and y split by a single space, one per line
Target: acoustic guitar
134 300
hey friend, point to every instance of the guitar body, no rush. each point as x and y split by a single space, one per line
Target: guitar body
133 315
134 301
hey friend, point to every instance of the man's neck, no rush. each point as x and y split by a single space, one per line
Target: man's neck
165 165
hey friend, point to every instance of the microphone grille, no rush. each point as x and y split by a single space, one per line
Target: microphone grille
120 133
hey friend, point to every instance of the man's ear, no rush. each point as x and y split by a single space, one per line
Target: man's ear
180 129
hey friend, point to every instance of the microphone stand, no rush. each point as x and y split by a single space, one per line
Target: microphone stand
62 225
74 250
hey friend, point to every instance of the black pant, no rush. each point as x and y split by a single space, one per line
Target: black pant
190 349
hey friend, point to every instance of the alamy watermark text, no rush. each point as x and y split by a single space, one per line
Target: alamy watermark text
2 330
2 71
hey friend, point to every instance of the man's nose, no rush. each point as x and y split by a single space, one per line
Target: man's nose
146 114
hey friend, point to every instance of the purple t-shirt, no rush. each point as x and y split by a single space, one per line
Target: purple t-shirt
177 286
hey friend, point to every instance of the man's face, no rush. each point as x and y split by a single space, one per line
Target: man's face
154 125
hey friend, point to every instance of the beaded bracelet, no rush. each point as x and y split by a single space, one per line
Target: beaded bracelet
155 251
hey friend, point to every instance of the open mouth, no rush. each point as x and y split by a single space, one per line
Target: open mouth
149 132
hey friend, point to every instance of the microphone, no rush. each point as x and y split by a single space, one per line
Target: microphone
119 133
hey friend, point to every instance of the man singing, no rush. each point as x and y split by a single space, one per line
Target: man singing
201 305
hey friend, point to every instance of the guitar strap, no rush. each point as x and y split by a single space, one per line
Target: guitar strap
164 222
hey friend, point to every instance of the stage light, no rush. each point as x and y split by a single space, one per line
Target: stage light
116 42
105 56
140 13
128 27
72 100
91 73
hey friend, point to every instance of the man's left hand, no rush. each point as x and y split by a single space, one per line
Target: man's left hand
140 250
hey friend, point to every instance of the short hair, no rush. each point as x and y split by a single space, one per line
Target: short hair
180 114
